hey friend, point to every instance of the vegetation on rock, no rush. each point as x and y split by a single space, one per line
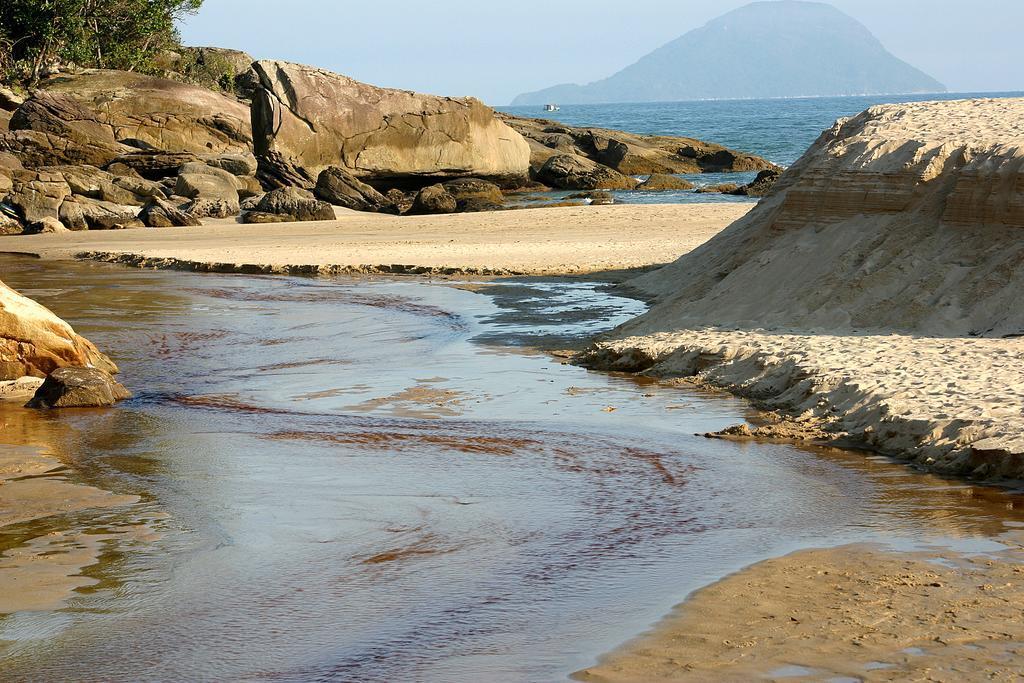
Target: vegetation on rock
38 35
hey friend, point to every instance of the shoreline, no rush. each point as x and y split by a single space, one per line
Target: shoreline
918 399
886 615
543 241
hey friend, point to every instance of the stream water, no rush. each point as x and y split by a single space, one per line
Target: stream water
354 480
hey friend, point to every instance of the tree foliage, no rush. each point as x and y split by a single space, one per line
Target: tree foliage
109 34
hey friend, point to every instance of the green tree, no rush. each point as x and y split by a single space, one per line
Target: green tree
110 34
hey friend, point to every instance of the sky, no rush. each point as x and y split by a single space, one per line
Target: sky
494 51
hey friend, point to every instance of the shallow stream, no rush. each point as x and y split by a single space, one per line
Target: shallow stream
355 480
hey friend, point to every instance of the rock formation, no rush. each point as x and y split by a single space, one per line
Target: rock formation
629 153
156 113
35 342
305 120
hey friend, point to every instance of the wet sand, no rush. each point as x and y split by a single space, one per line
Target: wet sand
562 240
854 613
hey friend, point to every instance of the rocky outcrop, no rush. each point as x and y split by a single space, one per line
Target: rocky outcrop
35 342
308 119
760 186
571 172
661 182
158 114
629 153
76 387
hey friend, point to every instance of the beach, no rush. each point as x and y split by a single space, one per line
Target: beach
545 241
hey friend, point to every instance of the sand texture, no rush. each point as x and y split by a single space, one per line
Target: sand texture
560 240
905 218
872 297
853 613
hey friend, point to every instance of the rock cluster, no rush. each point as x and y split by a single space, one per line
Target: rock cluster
103 150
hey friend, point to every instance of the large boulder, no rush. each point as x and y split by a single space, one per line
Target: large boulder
289 205
156 113
305 120
571 172
35 342
337 186
77 387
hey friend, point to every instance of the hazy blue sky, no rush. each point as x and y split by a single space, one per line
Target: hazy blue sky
495 51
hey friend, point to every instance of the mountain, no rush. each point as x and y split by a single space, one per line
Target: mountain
787 48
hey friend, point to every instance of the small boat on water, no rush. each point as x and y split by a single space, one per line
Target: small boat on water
552 107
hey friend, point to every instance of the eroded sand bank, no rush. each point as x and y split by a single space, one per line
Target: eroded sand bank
554 241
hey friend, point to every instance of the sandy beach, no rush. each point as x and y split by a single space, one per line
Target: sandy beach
850 613
546 241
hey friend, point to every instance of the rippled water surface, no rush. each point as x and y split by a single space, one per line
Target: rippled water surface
380 480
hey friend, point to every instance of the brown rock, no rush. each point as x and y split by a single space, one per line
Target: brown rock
434 199
337 186
570 172
78 387
293 204
661 182
33 341
38 194
161 214
164 114
464 189
315 119
760 186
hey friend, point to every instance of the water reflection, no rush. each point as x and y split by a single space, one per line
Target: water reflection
359 481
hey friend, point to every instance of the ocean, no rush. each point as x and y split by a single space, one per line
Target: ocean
779 130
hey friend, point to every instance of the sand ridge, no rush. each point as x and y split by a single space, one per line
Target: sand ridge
553 240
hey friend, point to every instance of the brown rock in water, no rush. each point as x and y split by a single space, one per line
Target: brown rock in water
434 199
723 188
760 186
33 341
570 172
292 204
78 387
630 153
337 186
661 182
375 132
597 198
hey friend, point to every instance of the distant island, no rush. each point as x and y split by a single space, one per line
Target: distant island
788 48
